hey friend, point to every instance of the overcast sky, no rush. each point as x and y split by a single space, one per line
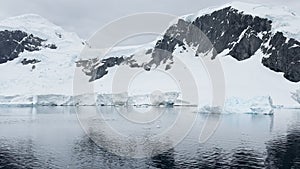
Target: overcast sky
86 16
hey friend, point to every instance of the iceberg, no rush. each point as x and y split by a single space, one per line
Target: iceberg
256 105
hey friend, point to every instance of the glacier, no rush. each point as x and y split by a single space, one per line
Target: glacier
92 99
258 105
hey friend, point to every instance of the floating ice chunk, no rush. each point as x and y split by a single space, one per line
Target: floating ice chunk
257 105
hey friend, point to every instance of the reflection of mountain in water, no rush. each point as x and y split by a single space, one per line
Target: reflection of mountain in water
284 151
18 155
88 155
164 160
215 158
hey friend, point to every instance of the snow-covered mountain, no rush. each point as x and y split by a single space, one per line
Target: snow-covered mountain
37 57
257 45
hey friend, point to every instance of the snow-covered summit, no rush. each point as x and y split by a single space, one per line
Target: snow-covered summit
49 68
283 19
38 26
256 9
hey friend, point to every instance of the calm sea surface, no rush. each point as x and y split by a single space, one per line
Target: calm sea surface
51 137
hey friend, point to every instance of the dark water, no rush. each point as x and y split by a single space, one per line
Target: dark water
51 137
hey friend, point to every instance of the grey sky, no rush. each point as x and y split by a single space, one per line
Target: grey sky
86 16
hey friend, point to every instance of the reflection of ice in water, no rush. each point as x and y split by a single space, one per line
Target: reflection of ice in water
33 113
132 132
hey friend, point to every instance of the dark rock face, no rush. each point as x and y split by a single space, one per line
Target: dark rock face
230 29
246 47
284 56
225 29
51 46
97 69
12 43
30 61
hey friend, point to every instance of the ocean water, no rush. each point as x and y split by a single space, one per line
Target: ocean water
52 137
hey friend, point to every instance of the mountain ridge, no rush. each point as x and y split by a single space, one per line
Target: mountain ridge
253 48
